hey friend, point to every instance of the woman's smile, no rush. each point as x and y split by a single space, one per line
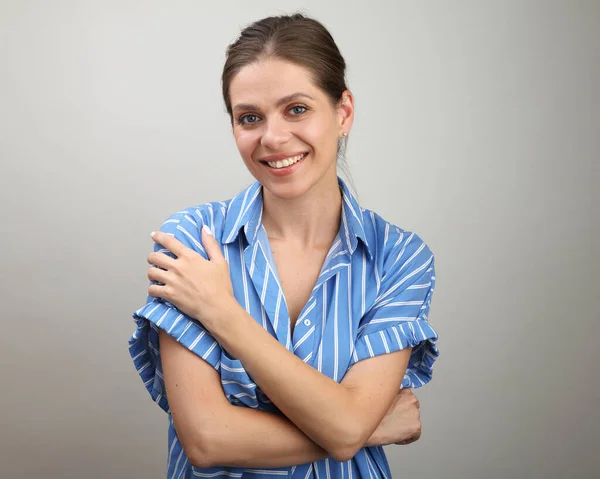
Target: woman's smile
287 166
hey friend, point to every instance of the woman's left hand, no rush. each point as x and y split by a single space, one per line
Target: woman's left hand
198 287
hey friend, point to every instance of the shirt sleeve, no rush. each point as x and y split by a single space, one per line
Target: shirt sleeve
399 316
160 314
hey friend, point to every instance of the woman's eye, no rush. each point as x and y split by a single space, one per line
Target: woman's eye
298 109
248 119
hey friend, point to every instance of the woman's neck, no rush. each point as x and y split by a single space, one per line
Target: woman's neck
310 221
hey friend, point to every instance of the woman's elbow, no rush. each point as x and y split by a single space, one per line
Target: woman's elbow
201 456
200 450
201 460
347 444
343 454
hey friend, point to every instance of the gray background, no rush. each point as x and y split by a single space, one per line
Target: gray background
477 126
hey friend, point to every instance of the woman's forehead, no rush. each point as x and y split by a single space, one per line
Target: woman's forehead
268 81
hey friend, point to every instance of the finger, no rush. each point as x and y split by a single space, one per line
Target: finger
158 291
169 242
211 245
409 440
405 442
160 259
158 275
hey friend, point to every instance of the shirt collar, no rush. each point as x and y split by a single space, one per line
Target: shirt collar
245 211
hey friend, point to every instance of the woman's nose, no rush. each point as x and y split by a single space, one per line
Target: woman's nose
274 134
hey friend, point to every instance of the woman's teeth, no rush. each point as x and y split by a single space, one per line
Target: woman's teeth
286 162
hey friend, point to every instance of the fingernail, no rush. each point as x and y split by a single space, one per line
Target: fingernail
152 234
206 230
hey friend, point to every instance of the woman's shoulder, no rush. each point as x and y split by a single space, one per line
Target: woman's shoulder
390 242
189 221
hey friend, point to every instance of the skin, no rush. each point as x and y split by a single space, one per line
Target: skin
301 215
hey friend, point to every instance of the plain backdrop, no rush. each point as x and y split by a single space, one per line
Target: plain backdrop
477 126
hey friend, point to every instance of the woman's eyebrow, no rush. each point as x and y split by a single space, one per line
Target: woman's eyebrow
281 101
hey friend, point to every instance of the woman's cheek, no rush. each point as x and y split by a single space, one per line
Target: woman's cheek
247 139
244 145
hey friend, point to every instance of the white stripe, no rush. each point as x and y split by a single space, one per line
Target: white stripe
144 367
191 220
336 345
177 463
244 280
144 351
248 385
209 350
377 277
415 254
237 221
386 235
232 370
403 303
404 280
174 322
306 335
197 340
403 248
350 318
364 284
253 260
244 395
307 358
151 311
216 474
276 322
395 330
192 239
187 326
383 340
308 310
268 472
171 452
369 348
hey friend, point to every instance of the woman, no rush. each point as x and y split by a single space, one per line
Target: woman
281 324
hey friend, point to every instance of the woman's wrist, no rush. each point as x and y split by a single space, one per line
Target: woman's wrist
225 312
375 439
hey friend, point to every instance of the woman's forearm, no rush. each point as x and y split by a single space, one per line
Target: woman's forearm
257 439
327 412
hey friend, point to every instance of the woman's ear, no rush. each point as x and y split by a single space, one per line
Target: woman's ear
346 111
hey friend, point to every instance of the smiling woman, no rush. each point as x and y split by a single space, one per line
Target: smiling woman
285 328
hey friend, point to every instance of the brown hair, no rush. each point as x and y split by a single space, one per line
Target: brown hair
294 38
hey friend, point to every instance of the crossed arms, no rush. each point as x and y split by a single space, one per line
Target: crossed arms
322 418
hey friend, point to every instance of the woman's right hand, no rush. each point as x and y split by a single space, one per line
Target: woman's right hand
401 424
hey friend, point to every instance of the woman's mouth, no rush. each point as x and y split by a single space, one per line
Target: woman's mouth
278 165
285 167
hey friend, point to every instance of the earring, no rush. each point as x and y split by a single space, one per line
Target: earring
344 134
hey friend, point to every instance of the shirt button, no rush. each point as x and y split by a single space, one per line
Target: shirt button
307 322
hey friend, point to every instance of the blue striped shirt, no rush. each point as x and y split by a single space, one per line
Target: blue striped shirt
372 297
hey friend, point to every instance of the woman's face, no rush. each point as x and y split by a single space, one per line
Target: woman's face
281 118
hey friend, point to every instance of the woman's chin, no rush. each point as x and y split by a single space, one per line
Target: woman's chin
287 190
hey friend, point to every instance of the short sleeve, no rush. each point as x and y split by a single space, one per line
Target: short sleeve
160 314
399 316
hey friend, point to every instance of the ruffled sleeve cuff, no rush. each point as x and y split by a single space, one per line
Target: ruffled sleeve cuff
417 334
144 346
